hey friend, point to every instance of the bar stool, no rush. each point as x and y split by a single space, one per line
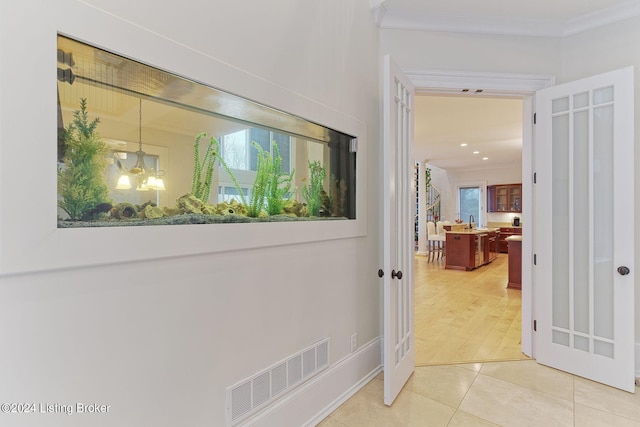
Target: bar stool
441 232
435 242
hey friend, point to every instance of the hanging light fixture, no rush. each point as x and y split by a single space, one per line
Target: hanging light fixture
146 179
139 170
123 181
155 181
159 185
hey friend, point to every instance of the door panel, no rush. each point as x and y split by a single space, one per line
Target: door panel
398 221
584 160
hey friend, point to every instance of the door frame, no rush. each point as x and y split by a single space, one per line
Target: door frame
502 85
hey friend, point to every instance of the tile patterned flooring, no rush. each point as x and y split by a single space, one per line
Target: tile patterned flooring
508 392
513 393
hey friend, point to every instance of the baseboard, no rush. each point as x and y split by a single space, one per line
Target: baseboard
313 401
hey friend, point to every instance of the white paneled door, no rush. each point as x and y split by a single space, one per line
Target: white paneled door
398 223
584 228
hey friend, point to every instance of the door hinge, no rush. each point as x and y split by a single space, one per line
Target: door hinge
535 326
534 118
535 259
535 177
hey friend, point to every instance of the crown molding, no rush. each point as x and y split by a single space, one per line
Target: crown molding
603 17
407 20
404 20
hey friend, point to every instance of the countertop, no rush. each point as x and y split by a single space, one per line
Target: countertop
503 224
474 231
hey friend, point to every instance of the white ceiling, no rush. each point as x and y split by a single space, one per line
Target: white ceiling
491 126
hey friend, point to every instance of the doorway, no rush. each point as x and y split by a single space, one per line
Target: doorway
511 86
471 141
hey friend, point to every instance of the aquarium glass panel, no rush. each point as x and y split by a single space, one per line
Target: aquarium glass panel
140 146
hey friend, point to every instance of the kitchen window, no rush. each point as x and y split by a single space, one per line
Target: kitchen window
470 202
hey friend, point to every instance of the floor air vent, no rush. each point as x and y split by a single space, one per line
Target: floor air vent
249 395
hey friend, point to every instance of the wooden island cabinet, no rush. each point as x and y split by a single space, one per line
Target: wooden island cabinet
466 250
515 262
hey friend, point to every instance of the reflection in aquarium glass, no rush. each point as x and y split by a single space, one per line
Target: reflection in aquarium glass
140 146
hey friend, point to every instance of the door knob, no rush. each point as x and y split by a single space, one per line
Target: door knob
398 274
623 271
380 273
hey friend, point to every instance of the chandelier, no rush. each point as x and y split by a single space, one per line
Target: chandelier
145 178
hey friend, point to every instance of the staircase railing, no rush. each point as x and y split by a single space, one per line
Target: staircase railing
433 203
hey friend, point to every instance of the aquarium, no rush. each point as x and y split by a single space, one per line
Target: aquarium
141 146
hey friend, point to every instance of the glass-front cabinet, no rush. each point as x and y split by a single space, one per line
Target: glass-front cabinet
140 146
515 197
504 198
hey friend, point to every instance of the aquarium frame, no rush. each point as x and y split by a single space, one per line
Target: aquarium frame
30 239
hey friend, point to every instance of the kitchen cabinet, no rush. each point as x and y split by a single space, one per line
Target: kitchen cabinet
506 232
491 198
504 198
467 250
460 251
515 262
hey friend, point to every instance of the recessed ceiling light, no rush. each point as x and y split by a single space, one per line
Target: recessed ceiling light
476 152
464 144
485 158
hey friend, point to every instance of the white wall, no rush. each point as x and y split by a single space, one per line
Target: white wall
471 52
161 340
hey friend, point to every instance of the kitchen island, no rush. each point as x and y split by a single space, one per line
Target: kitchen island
466 249
515 262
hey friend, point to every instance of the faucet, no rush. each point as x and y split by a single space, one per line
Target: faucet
471 221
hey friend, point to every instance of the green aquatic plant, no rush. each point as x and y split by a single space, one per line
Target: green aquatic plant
234 180
203 169
260 184
82 185
271 184
313 193
279 184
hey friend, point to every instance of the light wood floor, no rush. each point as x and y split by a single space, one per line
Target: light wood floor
465 316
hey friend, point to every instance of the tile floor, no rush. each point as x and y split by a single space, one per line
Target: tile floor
516 393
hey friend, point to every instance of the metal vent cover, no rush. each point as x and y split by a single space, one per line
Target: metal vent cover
249 395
